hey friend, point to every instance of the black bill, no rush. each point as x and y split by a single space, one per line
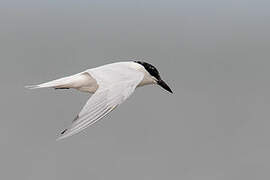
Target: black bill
164 85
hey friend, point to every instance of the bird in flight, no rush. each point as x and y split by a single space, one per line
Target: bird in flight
110 85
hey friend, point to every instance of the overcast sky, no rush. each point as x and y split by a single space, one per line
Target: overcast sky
213 54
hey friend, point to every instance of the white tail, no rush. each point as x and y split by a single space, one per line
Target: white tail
32 87
66 82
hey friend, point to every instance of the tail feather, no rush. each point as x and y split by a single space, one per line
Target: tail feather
32 87
65 82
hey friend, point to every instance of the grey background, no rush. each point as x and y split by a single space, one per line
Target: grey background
214 54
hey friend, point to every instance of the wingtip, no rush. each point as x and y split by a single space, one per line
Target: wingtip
60 138
62 135
63 132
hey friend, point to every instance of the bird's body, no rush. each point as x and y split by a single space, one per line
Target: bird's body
110 85
89 80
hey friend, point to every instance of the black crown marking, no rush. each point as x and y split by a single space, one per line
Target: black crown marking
150 68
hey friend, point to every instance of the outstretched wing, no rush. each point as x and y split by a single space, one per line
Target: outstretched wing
106 98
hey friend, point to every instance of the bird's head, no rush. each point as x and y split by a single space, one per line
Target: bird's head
154 75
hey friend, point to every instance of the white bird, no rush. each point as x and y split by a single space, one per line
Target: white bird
110 84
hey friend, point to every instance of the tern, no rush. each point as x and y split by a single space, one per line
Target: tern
110 85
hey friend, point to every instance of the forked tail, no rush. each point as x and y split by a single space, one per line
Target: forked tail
62 83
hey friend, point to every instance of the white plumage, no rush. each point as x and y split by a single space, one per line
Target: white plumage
111 84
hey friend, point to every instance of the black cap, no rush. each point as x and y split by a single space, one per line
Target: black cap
154 72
